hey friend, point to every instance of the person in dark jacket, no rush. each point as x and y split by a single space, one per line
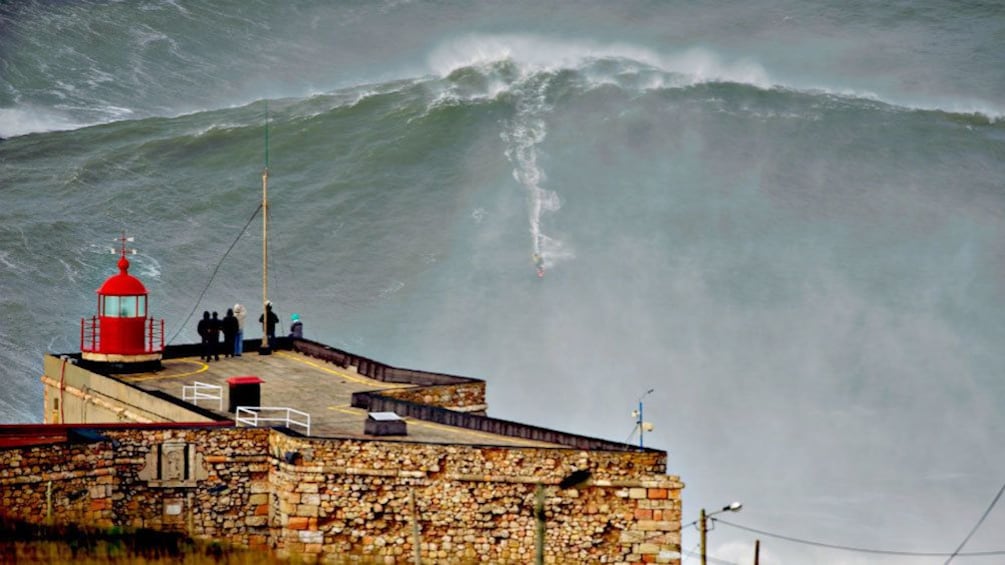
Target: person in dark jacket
270 326
216 324
230 329
204 328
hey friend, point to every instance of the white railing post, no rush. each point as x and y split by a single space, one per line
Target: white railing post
195 392
253 415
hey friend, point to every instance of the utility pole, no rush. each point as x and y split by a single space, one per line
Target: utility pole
757 552
702 527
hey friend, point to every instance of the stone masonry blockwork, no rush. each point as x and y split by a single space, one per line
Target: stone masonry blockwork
324 499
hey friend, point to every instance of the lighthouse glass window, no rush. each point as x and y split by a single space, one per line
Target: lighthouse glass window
125 306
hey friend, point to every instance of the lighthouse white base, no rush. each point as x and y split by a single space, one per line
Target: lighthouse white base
120 358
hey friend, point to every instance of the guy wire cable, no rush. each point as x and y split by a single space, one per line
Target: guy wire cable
213 275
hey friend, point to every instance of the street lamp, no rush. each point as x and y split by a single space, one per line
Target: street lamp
703 524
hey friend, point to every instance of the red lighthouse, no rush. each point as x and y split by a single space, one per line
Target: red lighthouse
122 338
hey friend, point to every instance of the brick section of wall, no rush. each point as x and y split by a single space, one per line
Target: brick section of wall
323 498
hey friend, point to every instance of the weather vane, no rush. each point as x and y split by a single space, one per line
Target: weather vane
123 240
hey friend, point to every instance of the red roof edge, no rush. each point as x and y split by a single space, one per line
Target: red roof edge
20 435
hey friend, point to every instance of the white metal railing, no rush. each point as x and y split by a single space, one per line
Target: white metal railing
289 417
201 391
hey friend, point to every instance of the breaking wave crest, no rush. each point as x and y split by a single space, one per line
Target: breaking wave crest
475 68
641 68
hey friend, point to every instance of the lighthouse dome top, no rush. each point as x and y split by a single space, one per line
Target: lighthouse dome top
123 284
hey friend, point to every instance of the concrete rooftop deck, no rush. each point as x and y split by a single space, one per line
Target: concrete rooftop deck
310 385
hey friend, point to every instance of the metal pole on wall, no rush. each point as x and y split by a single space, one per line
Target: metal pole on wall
416 540
265 347
641 430
539 525
641 424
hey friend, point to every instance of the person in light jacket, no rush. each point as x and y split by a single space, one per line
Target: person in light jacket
239 313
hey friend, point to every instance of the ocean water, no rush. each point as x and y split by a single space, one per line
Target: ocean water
785 218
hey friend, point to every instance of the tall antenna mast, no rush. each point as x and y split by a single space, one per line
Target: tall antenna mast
265 348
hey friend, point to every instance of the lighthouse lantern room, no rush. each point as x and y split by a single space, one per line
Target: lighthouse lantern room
122 338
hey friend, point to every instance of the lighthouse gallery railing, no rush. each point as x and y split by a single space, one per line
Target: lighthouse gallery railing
90 335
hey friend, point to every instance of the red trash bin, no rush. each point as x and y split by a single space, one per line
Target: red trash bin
244 391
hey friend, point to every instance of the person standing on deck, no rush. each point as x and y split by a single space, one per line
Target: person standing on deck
270 325
297 327
205 325
229 332
239 313
214 335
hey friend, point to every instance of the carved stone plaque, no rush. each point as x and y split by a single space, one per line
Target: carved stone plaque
173 464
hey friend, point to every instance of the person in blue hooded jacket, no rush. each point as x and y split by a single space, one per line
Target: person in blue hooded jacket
296 327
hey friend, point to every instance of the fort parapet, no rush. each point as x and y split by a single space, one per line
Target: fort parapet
459 486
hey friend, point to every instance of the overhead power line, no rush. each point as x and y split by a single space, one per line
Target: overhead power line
871 550
977 525
709 558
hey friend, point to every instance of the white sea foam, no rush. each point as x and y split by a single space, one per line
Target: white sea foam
675 69
26 119
321 102
5 260
71 273
97 76
116 112
391 288
638 67
145 35
537 54
199 132
174 4
523 134
148 267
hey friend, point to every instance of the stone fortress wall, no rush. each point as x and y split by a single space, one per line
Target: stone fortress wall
157 462
323 498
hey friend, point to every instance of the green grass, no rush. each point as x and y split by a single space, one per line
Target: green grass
21 542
